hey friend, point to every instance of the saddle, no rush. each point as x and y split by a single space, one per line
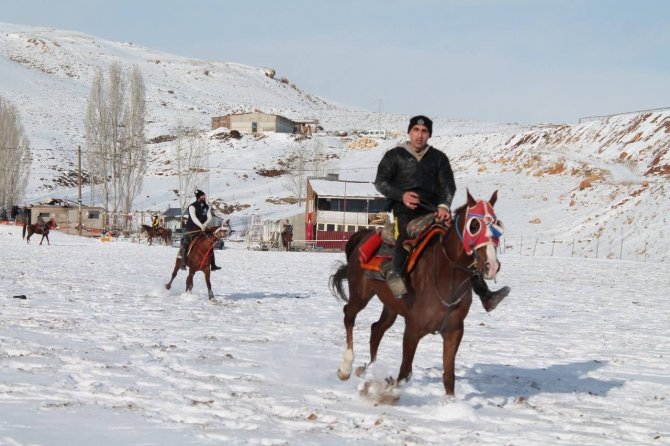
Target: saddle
377 251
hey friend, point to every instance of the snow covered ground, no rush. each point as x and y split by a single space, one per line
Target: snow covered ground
100 353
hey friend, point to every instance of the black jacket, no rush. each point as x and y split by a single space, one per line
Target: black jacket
200 212
400 171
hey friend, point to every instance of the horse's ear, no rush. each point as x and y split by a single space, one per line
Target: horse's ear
494 198
471 201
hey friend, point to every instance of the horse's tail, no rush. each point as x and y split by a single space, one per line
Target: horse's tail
336 283
24 231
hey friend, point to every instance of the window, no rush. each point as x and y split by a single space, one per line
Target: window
377 205
321 226
44 216
340 228
351 229
330 227
93 215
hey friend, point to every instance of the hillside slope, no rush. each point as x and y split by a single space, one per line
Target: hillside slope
570 188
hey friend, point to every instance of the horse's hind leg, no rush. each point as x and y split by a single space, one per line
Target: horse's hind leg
357 301
377 330
189 280
174 274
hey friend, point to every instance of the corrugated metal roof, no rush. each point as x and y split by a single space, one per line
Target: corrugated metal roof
336 189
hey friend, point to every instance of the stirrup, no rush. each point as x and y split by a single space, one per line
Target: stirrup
396 284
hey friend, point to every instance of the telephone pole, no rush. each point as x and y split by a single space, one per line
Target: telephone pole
379 117
79 187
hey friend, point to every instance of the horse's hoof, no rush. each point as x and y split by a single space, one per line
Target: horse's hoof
360 371
168 286
343 376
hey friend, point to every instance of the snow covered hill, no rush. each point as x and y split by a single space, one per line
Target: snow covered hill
597 189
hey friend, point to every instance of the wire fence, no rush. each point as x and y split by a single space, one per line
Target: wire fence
612 248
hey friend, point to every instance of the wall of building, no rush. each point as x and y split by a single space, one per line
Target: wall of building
264 123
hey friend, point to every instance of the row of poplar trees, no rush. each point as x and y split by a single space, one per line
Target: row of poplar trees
116 154
14 157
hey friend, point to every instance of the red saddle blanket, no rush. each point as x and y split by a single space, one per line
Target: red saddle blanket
371 261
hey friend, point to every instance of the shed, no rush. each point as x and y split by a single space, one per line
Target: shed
335 209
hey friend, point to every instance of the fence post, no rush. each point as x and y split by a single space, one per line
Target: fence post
521 246
535 247
597 245
572 250
553 244
621 248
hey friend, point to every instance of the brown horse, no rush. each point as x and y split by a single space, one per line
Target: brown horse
36 229
287 237
439 289
198 259
165 234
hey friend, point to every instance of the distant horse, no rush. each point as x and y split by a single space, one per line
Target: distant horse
287 237
198 258
165 234
439 289
36 229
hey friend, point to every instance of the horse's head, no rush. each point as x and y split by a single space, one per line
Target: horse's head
479 231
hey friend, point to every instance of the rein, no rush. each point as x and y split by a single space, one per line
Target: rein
454 266
205 258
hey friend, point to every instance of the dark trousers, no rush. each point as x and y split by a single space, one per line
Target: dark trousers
400 254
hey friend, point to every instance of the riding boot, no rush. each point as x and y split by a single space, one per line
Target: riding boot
394 278
490 299
182 256
213 266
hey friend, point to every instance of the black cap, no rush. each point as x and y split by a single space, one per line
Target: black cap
199 193
421 120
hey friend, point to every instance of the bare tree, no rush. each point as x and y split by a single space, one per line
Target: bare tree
133 149
305 159
14 156
116 155
190 152
97 140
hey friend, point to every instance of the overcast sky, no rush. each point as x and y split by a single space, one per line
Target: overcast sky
524 61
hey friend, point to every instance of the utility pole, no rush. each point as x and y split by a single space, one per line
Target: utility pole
79 187
379 117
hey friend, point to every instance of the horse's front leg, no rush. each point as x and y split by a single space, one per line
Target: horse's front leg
377 330
451 340
410 341
210 293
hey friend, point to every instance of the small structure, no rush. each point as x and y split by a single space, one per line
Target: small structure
64 215
255 122
307 126
172 218
336 209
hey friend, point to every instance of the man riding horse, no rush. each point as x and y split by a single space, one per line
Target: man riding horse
155 224
199 216
417 179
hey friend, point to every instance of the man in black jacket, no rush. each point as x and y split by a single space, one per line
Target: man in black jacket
199 216
418 179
